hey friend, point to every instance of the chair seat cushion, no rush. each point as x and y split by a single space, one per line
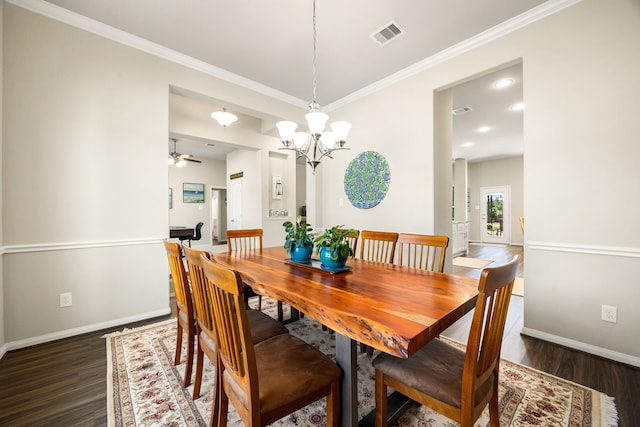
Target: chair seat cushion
264 326
435 370
289 368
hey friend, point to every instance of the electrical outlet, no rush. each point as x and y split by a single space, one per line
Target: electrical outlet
66 299
609 313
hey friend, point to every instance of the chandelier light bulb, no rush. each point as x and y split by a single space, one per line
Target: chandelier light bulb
316 121
341 130
328 139
300 140
286 129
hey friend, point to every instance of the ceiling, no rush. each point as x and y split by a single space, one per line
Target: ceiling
267 45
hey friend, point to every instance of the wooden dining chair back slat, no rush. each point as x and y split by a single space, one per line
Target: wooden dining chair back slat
352 238
422 251
206 343
456 383
184 306
377 246
238 240
271 379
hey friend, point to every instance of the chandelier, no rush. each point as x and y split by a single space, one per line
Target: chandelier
224 117
316 143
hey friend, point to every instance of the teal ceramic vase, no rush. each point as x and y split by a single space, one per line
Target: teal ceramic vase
326 261
301 253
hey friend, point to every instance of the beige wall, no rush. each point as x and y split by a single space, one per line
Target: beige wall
85 190
581 84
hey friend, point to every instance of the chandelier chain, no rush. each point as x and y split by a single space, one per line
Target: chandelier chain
314 52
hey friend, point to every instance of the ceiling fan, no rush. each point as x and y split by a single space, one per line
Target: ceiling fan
178 159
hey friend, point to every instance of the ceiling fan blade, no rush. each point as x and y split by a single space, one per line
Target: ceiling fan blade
191 160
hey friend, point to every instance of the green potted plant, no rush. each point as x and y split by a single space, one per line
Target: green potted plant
298 241
333 246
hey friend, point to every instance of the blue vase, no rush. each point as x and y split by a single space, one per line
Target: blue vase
326 261
301 253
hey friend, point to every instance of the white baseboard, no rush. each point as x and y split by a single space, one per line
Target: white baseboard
587 348
14 345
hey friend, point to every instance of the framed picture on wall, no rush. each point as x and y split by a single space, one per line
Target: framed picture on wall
170 198
192 193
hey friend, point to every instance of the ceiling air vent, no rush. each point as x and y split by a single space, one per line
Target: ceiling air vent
462 110
387 33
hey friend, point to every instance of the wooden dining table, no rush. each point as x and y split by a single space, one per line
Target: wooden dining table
392 308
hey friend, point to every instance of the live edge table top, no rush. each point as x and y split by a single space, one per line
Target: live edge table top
392 308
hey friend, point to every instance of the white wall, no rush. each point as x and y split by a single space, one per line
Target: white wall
2 339
580 130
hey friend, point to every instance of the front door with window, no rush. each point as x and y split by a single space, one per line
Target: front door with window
496 214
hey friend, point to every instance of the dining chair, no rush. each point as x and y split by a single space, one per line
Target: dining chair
262 325
271 379
378 246
197 234
249 239
454 382
422 251
352 238
185 313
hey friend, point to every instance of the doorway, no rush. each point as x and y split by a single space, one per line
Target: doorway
495 214
218 216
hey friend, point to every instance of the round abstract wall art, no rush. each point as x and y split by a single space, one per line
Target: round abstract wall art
366 180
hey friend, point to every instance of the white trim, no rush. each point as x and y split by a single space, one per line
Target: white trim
3 351
43 247
585 249
79 21
14 345
513 24
84 23
578 345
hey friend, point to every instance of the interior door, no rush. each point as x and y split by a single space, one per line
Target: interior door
496 214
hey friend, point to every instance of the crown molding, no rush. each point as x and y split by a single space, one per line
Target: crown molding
79 21
65 16
500 30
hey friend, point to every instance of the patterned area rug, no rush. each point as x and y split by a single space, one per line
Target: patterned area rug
145 388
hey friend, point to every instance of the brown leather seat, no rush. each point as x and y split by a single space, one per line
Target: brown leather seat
453 382
184 307
262 326
273 378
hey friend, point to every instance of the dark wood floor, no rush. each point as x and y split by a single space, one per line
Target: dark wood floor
63 383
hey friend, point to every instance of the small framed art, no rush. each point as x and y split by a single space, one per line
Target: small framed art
192 193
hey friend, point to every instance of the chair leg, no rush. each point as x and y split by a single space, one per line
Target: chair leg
280 312
178 345
223 405
189 367
381 400
494 413
333 405
217 392
259 302
198 381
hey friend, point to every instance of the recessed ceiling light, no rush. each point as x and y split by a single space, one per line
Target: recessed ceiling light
502 83
468 144
517 107
483 129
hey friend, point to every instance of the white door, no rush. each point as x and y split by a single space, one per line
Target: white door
235 205
495 214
